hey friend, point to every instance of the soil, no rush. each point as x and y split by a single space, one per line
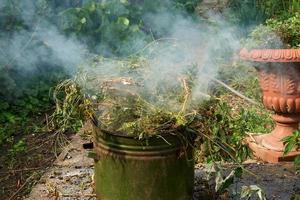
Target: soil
278 181
20 171
70 178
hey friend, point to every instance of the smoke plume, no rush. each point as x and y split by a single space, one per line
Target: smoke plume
179 41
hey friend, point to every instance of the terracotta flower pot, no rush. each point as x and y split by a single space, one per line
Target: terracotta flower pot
279 76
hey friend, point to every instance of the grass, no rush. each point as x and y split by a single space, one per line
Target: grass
123 105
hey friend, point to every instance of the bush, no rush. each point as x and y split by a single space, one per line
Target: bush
276 33
288 30
263 37
225 127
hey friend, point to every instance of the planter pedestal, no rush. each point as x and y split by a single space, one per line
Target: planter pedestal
279 76
268 155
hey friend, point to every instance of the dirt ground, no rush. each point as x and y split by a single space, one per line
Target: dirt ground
278 181
70 178
19 172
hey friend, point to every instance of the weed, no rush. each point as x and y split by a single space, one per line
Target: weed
225 128
19 147
292 142
248 192
225 182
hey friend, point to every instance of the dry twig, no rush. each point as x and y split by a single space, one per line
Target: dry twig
21 187
187 95
232 90
22 170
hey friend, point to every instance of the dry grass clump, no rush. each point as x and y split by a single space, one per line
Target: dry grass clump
124 103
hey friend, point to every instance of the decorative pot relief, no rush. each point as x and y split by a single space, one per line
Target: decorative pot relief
279 77
280 88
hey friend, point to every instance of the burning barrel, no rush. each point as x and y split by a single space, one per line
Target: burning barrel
159 167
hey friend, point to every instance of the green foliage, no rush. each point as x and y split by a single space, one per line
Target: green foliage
227 119
281 9
113 27
148 121
288 29
188 5
297 160
223 183
123 105
71 106
275 8
240 77
107 26
226 183
226 129
292 142
280 31
263 37
17 148
10 17
14 14
24 102
246 12
25 88
249 13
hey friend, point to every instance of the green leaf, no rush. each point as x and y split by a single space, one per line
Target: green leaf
92 7
238 172
83 20
289 146
4 105
124 1
223 184
123 20
9 117
135 28
297 160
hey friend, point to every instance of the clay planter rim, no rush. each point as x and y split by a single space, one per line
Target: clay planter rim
271 55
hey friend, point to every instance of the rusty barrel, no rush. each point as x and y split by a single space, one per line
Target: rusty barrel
157 168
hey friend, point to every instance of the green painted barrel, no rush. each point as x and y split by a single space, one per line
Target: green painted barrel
159 168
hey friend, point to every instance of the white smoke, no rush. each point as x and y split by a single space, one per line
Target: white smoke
184 41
